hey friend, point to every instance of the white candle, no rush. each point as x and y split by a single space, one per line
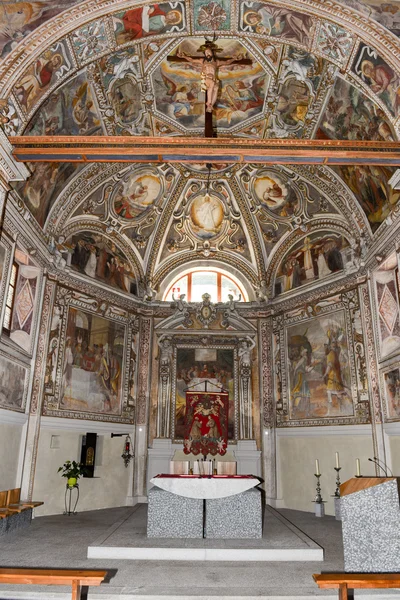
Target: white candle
317 467
337 460
358 467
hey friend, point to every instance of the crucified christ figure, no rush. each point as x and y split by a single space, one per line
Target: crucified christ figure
208 65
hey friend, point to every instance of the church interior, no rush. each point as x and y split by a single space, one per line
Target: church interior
200 291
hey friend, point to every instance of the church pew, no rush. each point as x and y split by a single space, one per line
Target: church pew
76 579
15 504
347 582
3 504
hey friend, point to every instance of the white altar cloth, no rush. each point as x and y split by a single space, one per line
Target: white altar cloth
205 487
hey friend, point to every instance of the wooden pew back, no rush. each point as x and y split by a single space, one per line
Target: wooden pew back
13 496
3 499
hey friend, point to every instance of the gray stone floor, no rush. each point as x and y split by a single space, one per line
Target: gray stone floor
61 541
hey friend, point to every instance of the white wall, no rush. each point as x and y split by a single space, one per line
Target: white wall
10 441
108 488
297 450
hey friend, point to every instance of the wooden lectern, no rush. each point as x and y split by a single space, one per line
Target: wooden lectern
370 508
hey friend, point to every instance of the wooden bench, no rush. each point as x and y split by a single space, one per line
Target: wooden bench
77 579
347 582
15 504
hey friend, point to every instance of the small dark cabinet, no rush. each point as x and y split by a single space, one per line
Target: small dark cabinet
88 453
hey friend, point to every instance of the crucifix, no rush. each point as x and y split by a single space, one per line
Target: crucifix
208 65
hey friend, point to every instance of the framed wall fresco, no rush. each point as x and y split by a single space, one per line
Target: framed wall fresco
390 386
195 364
320 369
14 379
25 302
5 257
90 360
387 309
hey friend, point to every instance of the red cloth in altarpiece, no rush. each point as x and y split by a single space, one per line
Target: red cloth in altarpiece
206 422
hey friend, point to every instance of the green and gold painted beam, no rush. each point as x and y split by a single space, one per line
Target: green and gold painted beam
215 150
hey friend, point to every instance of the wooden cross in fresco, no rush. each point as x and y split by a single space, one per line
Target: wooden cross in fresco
209 63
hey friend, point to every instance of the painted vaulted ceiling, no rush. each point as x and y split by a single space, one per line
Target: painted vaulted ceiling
319 70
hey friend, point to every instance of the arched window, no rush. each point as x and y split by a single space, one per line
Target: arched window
195 283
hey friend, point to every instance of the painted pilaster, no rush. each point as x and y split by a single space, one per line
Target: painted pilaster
142 408
267 396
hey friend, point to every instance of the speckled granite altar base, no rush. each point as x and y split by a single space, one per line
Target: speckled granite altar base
238 516
172 516
15 522
371 529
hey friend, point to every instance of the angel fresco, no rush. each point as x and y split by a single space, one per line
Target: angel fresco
135 195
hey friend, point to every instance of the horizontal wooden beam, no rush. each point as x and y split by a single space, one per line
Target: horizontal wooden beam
215 150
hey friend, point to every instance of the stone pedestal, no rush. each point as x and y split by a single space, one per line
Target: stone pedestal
338 514
16 521
371 525
173 516
159 457
319 508
248 458
238 516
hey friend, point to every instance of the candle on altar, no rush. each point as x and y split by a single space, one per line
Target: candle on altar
337 460
358 469
317 472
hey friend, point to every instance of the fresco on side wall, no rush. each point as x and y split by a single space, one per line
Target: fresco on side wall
392 393
378 76
370 185
315 257
92 374
2 259
197 365
319 380
69 110
350 115
24 306
387 302
97 257
267 19
40 190
13 379
153 19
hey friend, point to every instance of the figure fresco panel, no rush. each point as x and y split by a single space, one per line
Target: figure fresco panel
392 393
13 378
387 301
206 216
350 115
136 194
378 76
385 13
69 110
315 257
318 370
195 366
41 189
18 19
293 101
370 185
275 193
266 19
92 364
178 93
97 257
153 19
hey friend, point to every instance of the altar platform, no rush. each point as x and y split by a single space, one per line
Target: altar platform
281 541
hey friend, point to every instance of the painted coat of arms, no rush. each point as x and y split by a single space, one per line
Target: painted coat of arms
206 421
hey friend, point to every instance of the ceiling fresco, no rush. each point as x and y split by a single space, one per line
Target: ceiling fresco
124 70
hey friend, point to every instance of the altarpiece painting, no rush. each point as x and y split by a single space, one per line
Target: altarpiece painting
192 368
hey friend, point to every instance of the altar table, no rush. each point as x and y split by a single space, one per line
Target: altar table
193 506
